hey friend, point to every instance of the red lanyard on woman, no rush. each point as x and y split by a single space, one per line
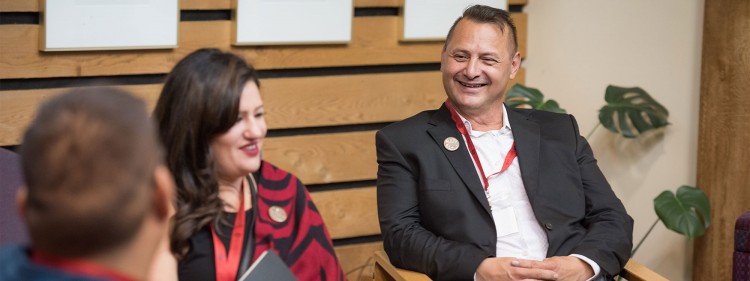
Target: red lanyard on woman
473 151
227 263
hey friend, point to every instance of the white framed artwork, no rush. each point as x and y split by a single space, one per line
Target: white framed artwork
430 20
292 22
76 25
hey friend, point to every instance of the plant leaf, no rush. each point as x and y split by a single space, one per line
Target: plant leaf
631 109
520 95
681 213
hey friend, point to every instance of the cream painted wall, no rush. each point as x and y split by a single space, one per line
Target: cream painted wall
578 47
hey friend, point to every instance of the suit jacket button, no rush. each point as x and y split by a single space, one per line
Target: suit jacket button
548 226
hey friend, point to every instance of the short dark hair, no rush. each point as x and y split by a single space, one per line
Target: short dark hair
88 160
486 14
199 101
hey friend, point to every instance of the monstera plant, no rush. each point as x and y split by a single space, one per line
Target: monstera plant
631 112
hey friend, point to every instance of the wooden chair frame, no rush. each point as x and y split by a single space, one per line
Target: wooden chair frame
385 271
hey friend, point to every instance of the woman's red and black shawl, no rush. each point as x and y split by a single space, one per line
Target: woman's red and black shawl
302 240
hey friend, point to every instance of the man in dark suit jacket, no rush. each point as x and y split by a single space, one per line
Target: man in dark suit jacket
447 211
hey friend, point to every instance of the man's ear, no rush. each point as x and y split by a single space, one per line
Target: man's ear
22 198
164 189
515 65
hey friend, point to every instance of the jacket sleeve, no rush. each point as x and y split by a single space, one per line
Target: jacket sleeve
408 244
609 236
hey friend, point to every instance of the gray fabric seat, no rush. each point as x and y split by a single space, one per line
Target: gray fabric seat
12 229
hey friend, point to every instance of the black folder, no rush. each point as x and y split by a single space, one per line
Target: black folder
268 266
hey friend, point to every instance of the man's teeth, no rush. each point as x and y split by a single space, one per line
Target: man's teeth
471 85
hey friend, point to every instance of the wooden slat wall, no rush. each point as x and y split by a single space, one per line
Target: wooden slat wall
374 42
290 102
33 5
356 216
342 155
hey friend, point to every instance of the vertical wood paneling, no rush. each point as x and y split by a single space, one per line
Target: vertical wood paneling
724 132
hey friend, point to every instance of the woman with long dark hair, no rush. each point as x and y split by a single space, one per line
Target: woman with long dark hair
231 205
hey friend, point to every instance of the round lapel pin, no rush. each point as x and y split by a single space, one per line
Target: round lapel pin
451 143
277 214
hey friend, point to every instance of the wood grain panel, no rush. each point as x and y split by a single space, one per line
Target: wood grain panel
357 260
33 5
19 5
320 158
521 20
226 4
724 132
290 102
355 99
325 158
377 3
17 108
205 4
350 99
374 42
349 212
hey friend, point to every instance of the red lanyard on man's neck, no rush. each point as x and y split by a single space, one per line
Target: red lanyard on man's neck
228 263
473 151
78 267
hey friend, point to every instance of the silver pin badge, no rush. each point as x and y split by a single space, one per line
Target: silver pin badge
277 214
451 144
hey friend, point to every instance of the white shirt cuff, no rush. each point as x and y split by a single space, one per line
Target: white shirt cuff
593 265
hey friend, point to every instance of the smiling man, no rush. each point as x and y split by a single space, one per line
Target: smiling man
477 190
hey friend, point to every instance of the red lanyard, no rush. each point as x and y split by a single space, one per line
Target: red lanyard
79 267
473 151
228 263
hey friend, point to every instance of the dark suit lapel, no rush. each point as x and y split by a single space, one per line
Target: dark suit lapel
459 159
527 136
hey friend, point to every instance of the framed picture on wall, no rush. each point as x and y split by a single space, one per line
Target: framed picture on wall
289 22
430 20
75 25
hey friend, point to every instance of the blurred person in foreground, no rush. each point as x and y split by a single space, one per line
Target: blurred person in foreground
231 204
478 190
97 199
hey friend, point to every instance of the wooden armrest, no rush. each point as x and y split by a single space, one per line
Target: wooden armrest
385 271
635 271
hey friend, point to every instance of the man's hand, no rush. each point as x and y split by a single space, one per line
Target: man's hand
567 267
510 269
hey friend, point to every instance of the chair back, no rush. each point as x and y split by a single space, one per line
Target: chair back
12 228
741 263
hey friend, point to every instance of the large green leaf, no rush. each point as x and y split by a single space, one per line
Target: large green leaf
680 213
519 95
631 109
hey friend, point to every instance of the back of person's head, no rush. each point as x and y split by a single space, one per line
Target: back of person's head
486 14
199 101
88 159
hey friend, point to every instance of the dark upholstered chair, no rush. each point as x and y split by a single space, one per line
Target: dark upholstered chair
12 229
741 265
